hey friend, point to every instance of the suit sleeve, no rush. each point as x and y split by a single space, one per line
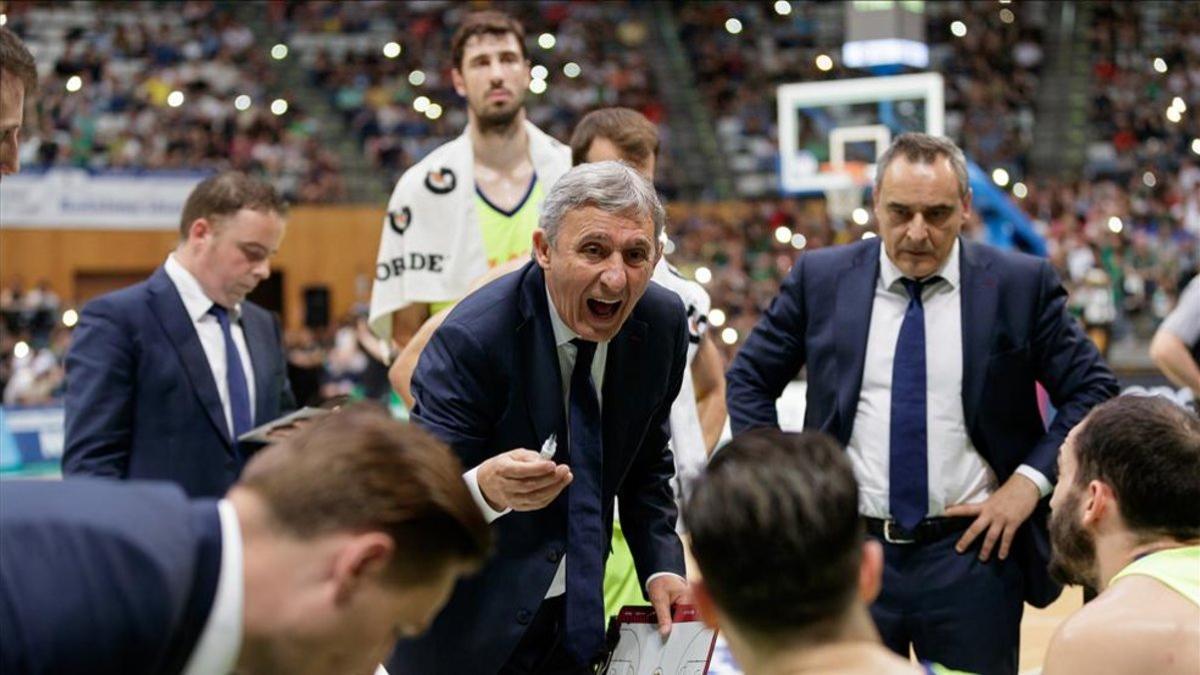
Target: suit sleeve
1070 368
101 368
452 394
287 399
769 359
646 500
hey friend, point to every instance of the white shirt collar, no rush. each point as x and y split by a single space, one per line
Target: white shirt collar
195 300
219 645
950 271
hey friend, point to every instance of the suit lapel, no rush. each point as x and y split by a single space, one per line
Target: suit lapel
852 322
258 343
980 290
172 315
543 387
622 403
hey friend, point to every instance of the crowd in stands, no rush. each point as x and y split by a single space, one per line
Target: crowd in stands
33 343
125 89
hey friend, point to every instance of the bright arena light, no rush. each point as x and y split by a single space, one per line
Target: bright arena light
416 78
572 70
716 318
1007 16
546 41
21 350
1174 115
392 50
537 86
1196 146
434 111
799 241
703 275
279 52
1160 65
1020 191
733 26
869 235
1149 179
1115 225
3 19
242 102
958 28
70 318
1000 177
860 216
279 106
1177 102
824 63
782 234
74 83
175 99
729 336
539 72
783 7
421 103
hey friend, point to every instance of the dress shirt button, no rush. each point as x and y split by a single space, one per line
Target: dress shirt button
524 616
554 555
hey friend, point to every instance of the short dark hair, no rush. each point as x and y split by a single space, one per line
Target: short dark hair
634 135
1147 449
227 193
488 22
16 60
925 149
358 469
774 524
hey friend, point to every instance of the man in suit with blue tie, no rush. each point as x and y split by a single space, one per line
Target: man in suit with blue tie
923 351
578 355
335 541
163 376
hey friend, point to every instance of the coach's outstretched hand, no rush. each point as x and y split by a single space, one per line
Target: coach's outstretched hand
521 480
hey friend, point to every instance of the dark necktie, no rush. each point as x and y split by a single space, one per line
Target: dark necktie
908 461
235 378
585 528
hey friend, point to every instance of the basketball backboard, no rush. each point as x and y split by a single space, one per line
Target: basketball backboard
830 133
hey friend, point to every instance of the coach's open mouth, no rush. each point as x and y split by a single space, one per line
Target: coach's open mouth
602 309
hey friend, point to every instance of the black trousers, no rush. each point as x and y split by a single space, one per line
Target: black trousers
950 607
541 650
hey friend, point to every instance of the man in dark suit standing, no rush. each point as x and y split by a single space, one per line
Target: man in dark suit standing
578 355
334 542
923 352
163 376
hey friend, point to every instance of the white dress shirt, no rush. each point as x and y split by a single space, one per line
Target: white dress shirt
958 474
208 329
220 642
566 366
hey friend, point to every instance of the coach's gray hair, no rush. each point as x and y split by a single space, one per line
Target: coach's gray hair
923 148
612 187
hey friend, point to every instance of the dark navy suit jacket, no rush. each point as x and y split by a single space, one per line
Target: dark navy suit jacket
141 399
489 382
97 577
1016 332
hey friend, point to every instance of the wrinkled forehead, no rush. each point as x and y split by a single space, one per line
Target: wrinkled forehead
624 227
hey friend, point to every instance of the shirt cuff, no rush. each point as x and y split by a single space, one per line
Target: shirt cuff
472 481
1044 486
659 574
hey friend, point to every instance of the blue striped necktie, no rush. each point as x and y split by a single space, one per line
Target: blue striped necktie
908 460
235 378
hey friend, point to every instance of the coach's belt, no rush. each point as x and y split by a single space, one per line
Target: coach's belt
929 529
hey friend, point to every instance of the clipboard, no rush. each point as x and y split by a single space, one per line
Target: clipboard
637 649
261 433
